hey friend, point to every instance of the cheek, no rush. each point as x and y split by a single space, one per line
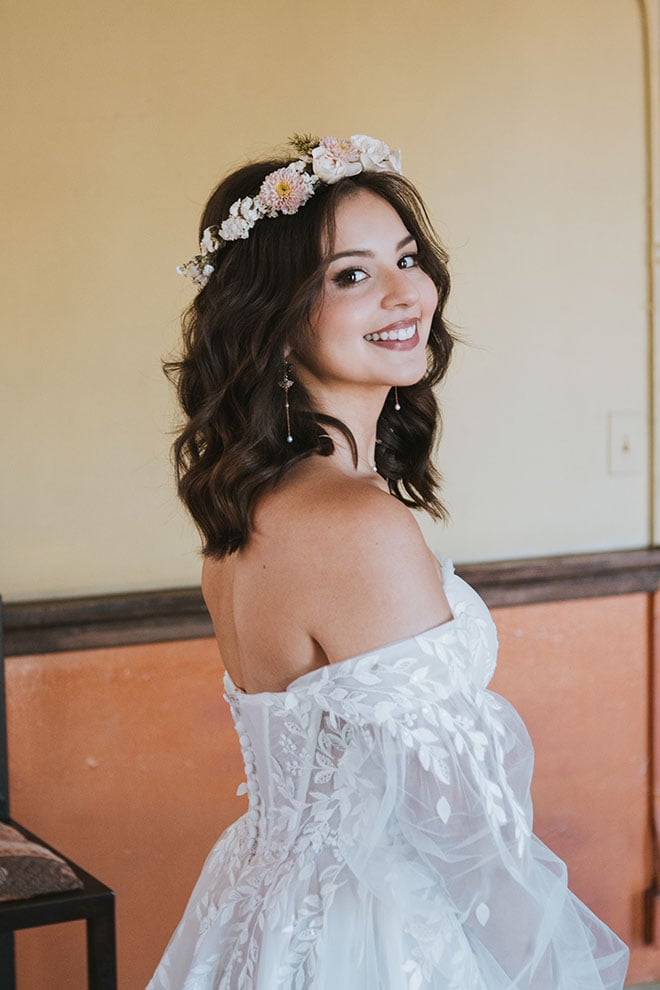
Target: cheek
430 294
326 315
337 322
315 350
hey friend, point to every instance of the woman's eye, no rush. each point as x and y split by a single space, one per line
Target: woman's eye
408 261
350 276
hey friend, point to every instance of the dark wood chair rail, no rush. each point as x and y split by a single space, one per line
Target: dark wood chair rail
93 621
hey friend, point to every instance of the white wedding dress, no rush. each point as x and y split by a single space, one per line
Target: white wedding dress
388 841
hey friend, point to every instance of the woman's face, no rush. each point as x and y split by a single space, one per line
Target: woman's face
372 323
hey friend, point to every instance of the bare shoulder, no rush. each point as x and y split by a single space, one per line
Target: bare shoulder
351 515
368 536
357 569
330 511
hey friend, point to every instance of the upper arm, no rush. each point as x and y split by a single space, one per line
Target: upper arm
372 580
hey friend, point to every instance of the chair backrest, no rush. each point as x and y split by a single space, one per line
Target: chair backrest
4 752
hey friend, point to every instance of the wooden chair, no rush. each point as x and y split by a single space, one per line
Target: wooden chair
92 901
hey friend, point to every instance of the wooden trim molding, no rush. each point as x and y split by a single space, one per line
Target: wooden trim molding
58 624
549 579
54 625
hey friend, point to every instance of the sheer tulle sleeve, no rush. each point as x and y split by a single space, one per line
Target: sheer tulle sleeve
442 830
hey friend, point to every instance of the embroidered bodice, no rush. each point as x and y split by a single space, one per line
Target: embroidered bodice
300 744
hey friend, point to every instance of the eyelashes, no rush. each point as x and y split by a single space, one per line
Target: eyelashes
350 276
354 276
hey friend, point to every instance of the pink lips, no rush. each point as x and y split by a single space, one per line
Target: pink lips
398 345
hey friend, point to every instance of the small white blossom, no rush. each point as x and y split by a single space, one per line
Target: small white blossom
247 209
209 242
250 209
235 229
194 270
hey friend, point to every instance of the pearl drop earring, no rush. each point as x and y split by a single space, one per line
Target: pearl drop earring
286 384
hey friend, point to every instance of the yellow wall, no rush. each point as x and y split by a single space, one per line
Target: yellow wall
523 125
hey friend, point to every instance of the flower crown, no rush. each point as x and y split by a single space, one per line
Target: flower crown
287 189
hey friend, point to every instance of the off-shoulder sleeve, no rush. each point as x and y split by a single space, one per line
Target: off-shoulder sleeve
442 830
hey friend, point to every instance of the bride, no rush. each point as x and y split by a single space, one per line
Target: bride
388 840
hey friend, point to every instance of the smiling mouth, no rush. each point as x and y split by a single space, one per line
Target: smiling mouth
402 332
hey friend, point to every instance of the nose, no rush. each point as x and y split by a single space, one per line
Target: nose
399 290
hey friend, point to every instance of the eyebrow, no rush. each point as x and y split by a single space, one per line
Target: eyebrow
366 254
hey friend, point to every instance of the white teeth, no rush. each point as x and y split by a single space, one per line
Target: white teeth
406 333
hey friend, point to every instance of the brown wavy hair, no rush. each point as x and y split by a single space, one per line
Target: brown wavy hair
257 303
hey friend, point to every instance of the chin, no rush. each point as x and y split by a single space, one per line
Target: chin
415 375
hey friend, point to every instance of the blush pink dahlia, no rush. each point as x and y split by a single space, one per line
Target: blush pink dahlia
286 189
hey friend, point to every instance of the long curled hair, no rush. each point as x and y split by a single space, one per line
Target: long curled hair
257 303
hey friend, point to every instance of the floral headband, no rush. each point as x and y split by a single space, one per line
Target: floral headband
287 189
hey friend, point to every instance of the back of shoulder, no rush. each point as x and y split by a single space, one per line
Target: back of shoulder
353 517
370 578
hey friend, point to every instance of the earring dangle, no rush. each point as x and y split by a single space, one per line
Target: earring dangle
286 384
396 398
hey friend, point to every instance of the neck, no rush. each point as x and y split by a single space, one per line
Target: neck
345 458
361 418
358 406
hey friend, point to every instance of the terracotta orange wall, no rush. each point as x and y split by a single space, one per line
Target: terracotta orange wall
126 760
578 672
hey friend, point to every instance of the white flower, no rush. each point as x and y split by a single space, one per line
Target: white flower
376 156
247 209
235 228
330 169
194 270
334 159
209 242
